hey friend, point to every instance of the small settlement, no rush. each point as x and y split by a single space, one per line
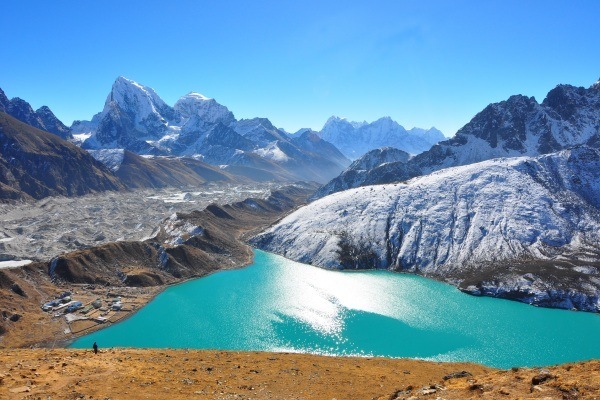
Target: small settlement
87 307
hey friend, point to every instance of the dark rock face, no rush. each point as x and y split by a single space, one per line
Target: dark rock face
519 126
370 167
542 377
42 119
53 124
4 102
15 317
21 110
18 290
36 164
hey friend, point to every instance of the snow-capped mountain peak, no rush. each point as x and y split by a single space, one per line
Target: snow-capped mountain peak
135 118
519 126
203 109
130 96
356 138
335 120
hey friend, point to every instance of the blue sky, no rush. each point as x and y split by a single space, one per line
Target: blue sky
424 63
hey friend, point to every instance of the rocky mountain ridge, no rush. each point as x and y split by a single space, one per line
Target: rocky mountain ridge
43 118
36 164
522 228
361 169
519 126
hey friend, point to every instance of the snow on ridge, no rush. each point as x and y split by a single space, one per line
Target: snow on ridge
111 158
198 96
354 139
272 152
200 109
454 220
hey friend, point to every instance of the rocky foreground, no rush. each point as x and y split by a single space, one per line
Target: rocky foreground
183 374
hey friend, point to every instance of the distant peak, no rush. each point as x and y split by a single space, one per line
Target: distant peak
385 120
335 118
44 109
196 96
596 85
124 82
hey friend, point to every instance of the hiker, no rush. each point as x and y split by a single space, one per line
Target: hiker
95 347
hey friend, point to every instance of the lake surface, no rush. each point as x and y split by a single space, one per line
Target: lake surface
281 305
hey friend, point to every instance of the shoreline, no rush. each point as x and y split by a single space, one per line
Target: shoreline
161 289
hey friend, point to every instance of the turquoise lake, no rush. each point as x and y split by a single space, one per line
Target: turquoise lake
281 305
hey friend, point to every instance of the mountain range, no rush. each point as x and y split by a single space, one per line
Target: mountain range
509 207
520 126
354 139
42 119
136 119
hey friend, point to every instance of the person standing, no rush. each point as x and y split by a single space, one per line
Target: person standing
95 347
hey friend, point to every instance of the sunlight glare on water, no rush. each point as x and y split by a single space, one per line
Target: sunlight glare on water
280 305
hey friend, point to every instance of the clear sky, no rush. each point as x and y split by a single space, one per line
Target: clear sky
423 63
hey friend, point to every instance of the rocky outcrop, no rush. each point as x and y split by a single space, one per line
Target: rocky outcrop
362 169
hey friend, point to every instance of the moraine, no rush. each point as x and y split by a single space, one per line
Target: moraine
281 305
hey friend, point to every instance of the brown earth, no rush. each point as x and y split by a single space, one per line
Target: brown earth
185 374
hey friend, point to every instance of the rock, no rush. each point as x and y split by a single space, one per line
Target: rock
15 317
398 393
476 386
536 388
20 389
541 378
427 391
459 374
18 290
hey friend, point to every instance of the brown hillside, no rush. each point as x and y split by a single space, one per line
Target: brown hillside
37 164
